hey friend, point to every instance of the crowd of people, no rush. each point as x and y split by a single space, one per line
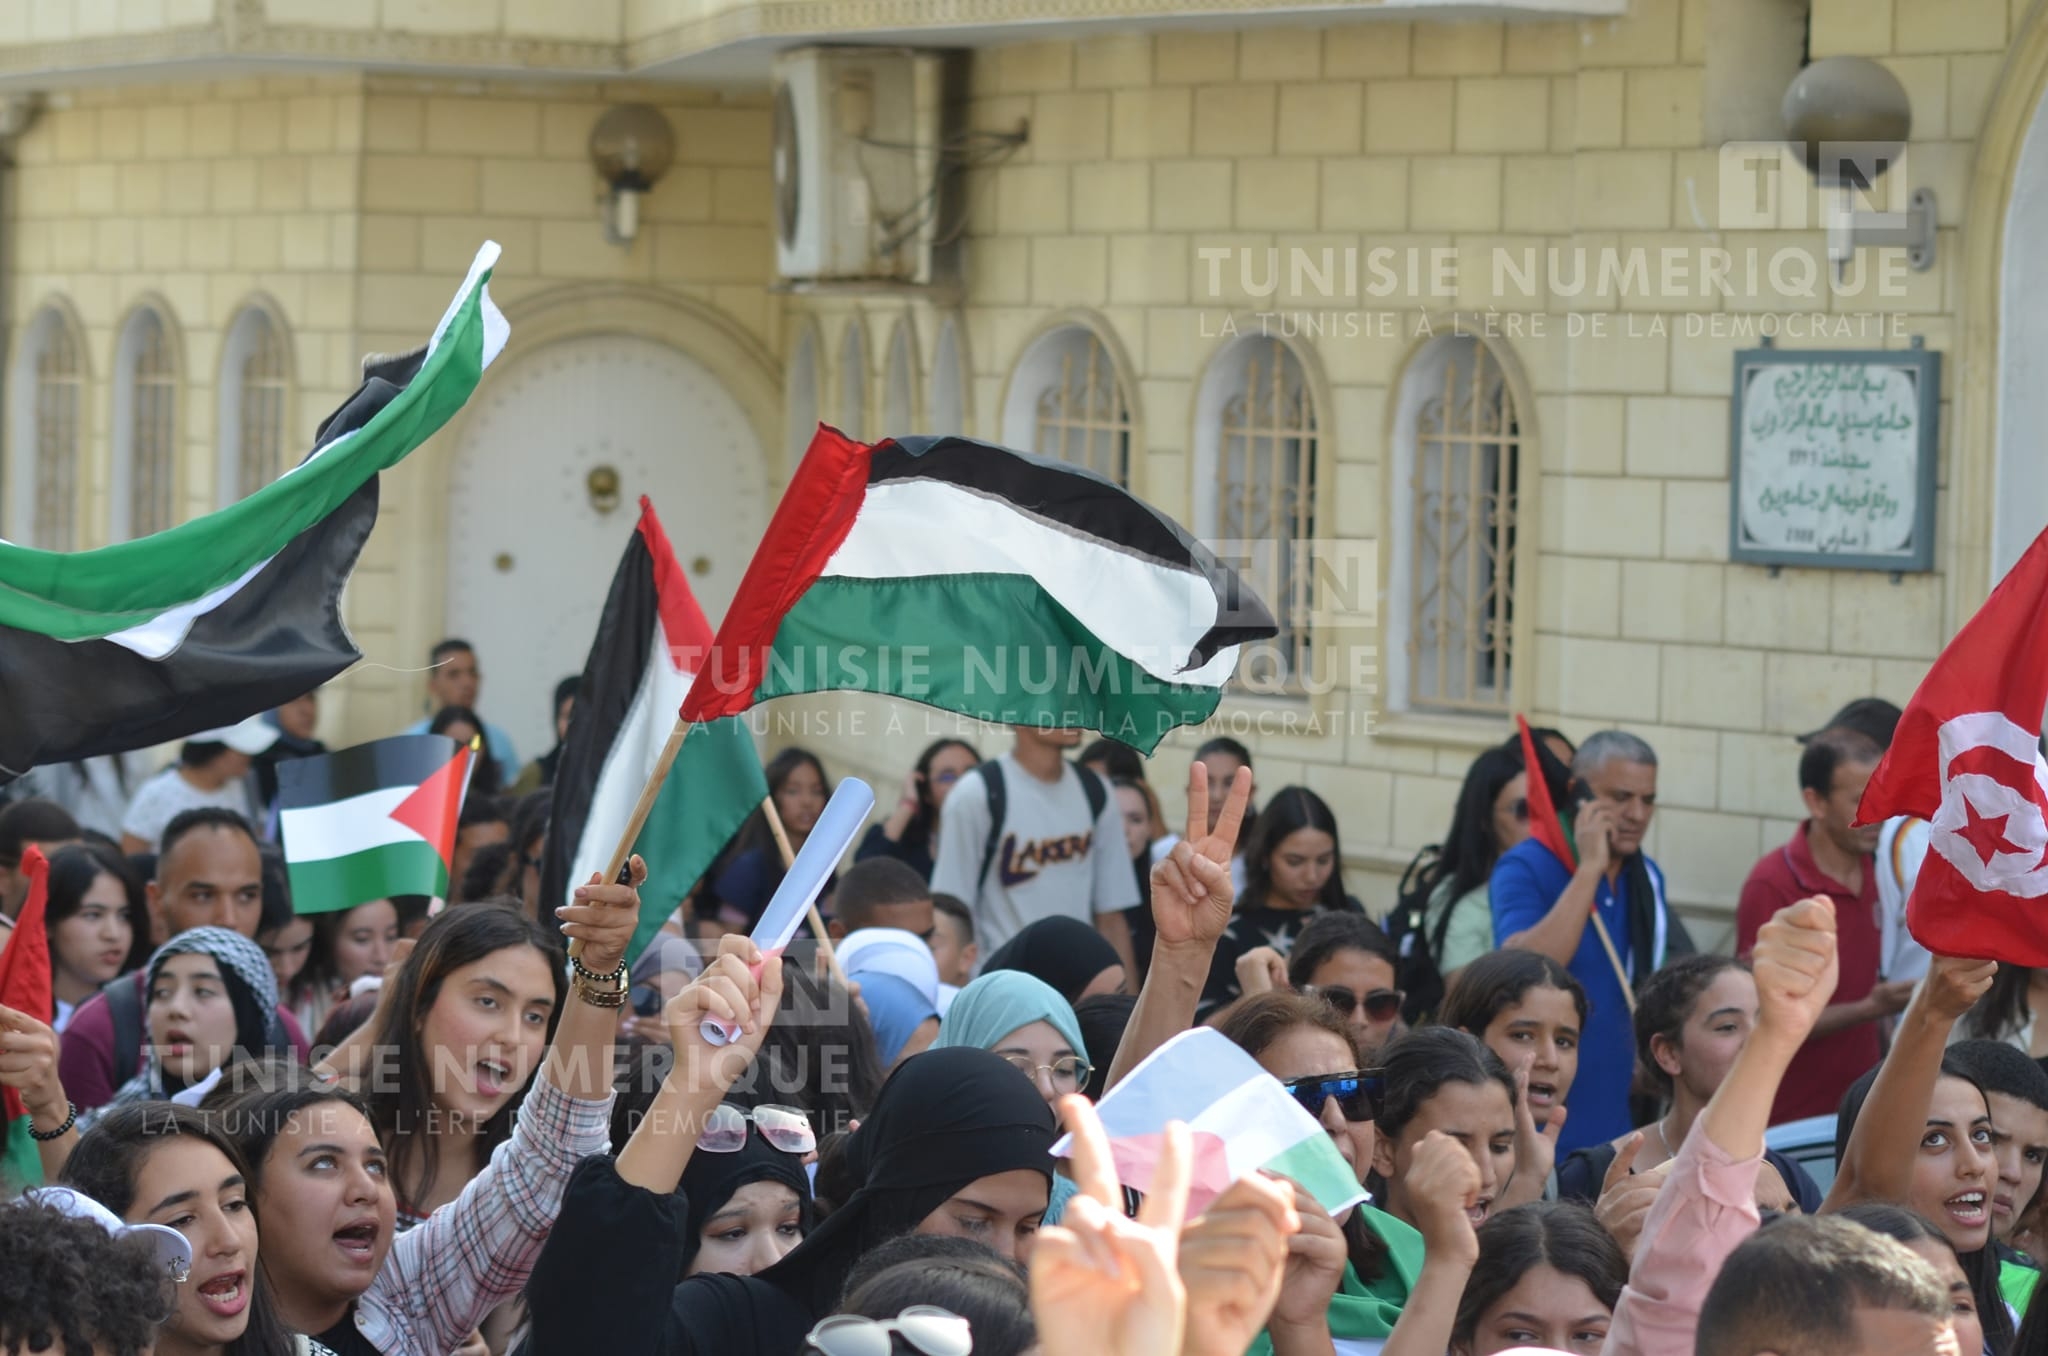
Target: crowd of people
253 1125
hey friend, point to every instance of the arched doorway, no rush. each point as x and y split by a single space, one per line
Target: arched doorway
530 551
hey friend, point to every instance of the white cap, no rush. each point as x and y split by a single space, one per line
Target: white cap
253 736
173 1250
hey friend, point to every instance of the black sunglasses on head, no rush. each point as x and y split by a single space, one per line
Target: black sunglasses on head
1358 1092
1382 1005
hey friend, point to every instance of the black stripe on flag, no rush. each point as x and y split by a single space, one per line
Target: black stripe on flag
276 638
403 760
612 675
1088 505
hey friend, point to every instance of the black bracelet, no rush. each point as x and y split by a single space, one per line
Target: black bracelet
42 1137
615 978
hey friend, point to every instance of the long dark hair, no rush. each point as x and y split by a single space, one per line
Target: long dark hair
2004 1008
1470 849
926 821
73 872
1558 1234
1496 982
1666 1004
453 939
107 1160
1292 808
1909 1227
1257 1023
1422 1063
755 835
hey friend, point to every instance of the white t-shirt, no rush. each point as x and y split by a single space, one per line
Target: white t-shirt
1901 847
1047 860
167 795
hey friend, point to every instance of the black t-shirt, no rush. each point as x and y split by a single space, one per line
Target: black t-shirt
1251 927
343 1339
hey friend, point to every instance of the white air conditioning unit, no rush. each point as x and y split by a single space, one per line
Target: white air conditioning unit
857 164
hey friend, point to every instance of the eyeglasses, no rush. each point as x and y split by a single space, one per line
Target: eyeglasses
1068 1072
1358 1092
1382 1005
784 1127
946 778
929 1329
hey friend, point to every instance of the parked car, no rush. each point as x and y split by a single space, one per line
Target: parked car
1809 1143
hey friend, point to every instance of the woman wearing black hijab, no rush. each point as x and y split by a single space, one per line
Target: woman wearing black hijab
747 1209
1066 953
958 1144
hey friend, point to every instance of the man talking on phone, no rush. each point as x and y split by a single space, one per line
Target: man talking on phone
1546 905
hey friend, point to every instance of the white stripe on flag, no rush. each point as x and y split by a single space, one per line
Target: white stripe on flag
340 827
921 528
628 762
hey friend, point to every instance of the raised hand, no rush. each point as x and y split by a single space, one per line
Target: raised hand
1233 1261
742 986
1315 1268
1796 967
1954 985
604 918
1191 893
28 1064
1535 1150
1261 970
1589 835
1625 1198
1443 1183
1101 1283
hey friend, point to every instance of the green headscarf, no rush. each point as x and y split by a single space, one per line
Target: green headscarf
1001 1001
1360 1312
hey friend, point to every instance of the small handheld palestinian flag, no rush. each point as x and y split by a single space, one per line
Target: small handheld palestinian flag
373 821
649 641
1004 586
27 986
228 615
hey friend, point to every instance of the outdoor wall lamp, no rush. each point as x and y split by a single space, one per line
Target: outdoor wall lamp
602 484
1850 118
631 146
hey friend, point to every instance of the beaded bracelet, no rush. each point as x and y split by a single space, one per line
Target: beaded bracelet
44 1137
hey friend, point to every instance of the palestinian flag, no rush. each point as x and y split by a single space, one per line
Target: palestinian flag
225 616
373 821
648 643
1004 586
27 987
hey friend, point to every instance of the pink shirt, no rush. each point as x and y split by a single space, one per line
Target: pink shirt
1705 1209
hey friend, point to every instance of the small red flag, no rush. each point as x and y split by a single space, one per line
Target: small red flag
25 982
1544 825
1967 758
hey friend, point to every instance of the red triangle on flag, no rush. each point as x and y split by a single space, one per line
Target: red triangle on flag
1544 825
435 806
25 983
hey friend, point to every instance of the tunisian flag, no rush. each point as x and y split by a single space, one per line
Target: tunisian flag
1967 758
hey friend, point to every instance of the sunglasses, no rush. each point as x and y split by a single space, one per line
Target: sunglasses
928 1329
1382 1005
646 1000
1358 1093
784 1127
1068 1072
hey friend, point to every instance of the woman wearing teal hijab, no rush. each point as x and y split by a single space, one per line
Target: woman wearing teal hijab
1024 1020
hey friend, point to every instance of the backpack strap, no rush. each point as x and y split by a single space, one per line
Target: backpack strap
1096 790
124 1005
998 804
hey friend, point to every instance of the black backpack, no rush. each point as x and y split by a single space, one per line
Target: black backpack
1417 945
999 803
124 1005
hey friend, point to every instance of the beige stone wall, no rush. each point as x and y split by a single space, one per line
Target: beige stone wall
1148 148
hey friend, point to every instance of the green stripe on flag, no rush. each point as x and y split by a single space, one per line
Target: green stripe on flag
1315 1165
715 784
335 883
992 646
83 595
21 1163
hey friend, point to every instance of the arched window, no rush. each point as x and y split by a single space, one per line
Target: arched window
853 379
1257 441
802 402
48 433
1456 531
1068 400
948 390
899 383
255 393
145 488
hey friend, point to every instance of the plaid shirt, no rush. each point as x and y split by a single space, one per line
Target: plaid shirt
475 1253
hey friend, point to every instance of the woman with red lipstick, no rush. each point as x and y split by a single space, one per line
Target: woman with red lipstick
343 1275
97 924
166 1165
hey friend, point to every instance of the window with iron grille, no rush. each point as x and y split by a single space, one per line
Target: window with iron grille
264 372
1069 401
1463 501
1262 452
59 402
146 426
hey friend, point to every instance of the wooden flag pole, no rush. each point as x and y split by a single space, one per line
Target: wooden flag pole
642 808
788 860
1614 958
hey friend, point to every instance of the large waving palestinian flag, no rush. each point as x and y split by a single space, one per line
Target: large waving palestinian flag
997 584
212 621
648 644
371 822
